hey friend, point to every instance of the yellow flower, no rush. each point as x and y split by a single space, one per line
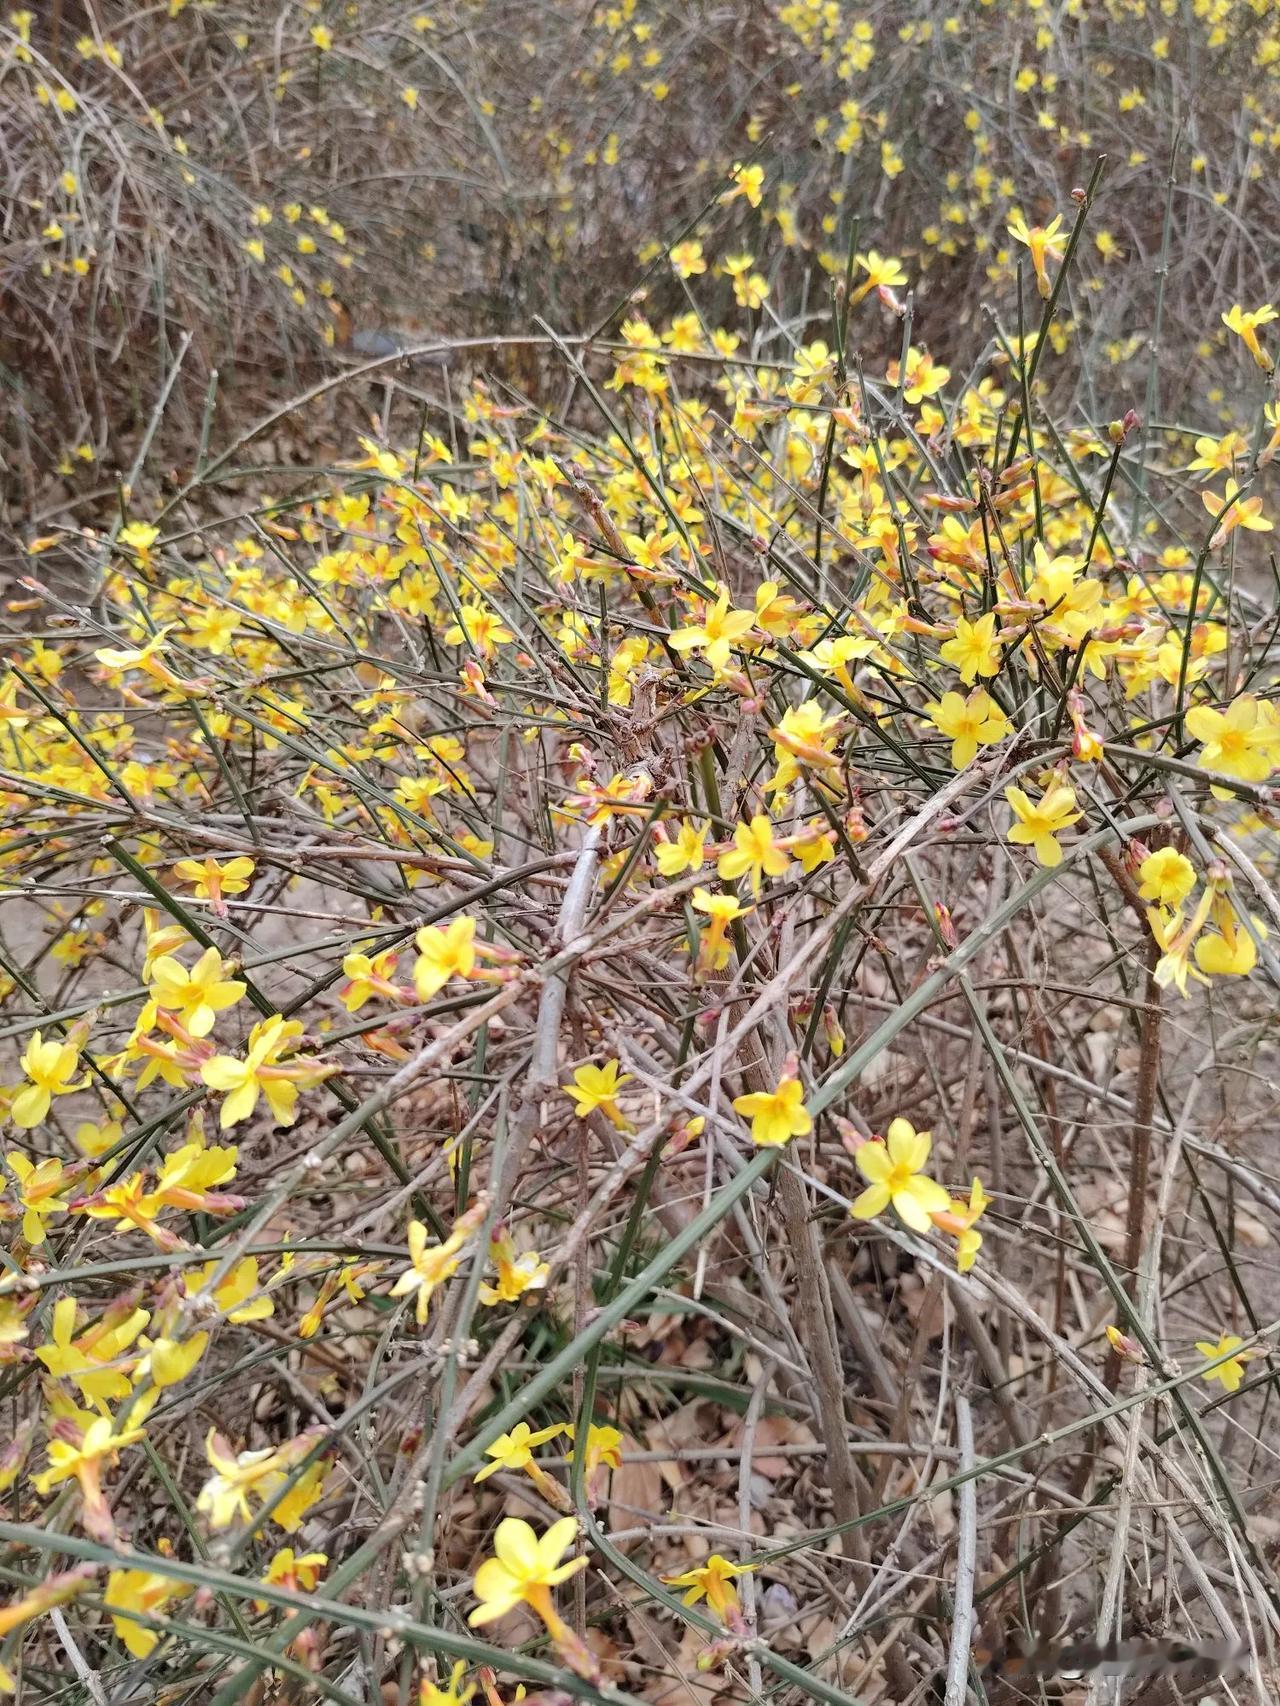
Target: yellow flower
1218 455
895 1174
1231 1373
968 723
603 1448
714 1582
138 537
322 36
597 1087
1235 512
721 911
236 1295
50 1067
95 1361
170 1361
515 1450
93 1139
225 1495
443 954
801 737
80 1454
1230 952
1241 741
525 1569
431 1266
1166 877
1043 242
748 181
1245 323
687 258
431 1695
924 376
139 1590
958 1218
1040 824
974 649
290 1569
214 881
1175 939
753 852
776 1115
368 977
478 627
686 853
41 1187
198 995
516 1274
261 1072
716 633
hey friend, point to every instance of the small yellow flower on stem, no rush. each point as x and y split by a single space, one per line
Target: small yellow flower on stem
516 1274
603 1451
968 723
1242 741
747 181
238 1296
443 954
1245 322
96 1360
719 629
300 1571
346 1279
514 1451
50 1067
1039 824
721 911
263 1072
596 1087
895 1175
959 1220
776 1115
687 258
1175 940
368 976
754 853
523 1570
147 660
196 996
714 1582
139 1590
1234 512
1230 951
430 1694
974 648
213 881
80 1454
1228 1374
225 1495
431 1265
802 737
1044 242
686 853
1166 877
41 1188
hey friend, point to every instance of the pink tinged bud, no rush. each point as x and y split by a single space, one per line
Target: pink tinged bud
1135 853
